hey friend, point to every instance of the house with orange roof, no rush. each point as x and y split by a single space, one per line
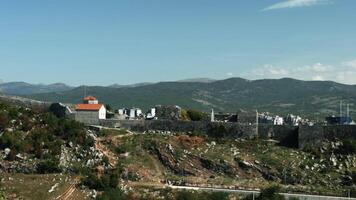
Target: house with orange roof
90 112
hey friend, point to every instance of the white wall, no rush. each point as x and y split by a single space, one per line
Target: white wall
102 113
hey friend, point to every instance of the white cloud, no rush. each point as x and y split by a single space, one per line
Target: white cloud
344 72
351 64
297 3
229 74
270 71
318 78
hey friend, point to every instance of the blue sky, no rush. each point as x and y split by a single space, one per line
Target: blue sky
128 41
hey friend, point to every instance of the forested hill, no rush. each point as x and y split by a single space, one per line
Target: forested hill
275 95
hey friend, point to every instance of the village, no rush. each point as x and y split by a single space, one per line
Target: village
92 112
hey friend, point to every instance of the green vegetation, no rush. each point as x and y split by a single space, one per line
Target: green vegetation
113 194
189 195
195 115
217 131
2 196
111 132
270 193
306 98
40 134
348 147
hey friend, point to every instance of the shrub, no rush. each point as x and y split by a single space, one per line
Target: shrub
347 147
12 140
271 193
218 196
195 115
106 181
48 166
4 120
112 194
217 131
186 195
192 195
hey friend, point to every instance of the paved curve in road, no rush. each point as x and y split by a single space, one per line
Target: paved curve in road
299 196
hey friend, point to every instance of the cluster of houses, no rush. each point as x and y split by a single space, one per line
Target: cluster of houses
91 112
293 120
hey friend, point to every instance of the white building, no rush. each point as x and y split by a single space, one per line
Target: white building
151 114
278 120
133 113
90 100
90 112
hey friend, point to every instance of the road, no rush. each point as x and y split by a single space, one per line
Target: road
247 192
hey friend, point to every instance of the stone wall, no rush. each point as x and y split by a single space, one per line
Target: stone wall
87 117
312 136
287 135
233 130
297 137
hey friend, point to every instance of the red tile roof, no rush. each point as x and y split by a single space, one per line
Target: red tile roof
89 98
88 107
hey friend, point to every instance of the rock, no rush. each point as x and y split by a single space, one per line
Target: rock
7 151
333 160
53 188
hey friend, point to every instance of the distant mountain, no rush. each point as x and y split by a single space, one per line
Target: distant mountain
22 88
130 86
312 98
197 80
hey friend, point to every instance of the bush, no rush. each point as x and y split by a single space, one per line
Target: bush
270 193
48 166
193 195
12 140
4 121
217 131
186 195
106 181
195 115
112 194
348 147
218 196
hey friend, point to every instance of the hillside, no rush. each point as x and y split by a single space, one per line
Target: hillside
274 95
22 88
45 157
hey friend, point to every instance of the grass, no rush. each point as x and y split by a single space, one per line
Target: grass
33 186
112 132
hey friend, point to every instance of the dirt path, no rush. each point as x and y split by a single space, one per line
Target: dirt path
68 193
113 159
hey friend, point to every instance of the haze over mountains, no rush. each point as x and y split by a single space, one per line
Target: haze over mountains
311 98
22 88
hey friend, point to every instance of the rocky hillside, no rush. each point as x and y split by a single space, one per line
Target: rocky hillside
60 158
313 98
159 157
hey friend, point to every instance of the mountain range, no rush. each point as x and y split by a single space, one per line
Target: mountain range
22 88
282 96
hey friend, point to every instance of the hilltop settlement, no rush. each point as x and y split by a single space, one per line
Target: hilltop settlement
89 150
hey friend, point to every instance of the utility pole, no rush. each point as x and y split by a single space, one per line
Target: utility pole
340 112
285 176
85 91
212 118
257 123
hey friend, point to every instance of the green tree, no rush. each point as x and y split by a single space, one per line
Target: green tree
112 194
195 115
271 193
4 120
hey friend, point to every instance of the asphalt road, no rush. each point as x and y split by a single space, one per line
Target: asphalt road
247 192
